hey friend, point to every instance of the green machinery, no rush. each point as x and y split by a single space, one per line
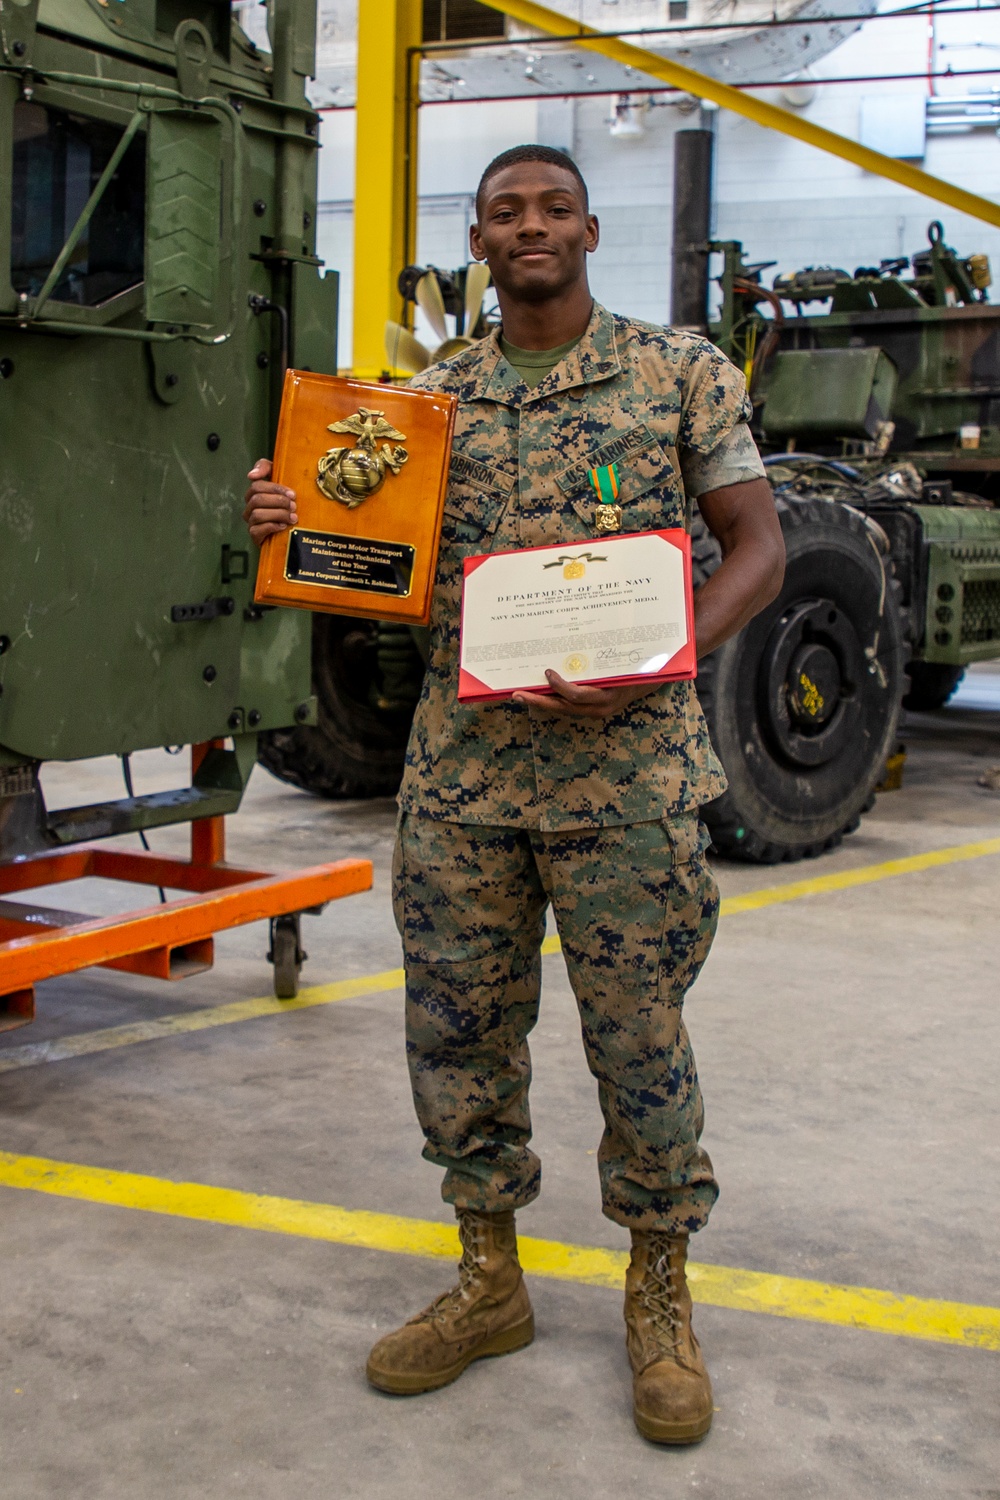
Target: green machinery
157 275
877 406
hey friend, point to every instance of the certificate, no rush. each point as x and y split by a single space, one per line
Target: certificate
611 611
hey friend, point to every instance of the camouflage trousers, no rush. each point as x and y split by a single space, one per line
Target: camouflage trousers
636 908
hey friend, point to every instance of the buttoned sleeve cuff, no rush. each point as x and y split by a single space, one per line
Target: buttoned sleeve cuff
733 460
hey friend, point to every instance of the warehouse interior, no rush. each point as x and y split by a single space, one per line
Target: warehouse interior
212 1191
188 1345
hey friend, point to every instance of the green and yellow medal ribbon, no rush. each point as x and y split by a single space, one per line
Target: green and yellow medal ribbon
604 483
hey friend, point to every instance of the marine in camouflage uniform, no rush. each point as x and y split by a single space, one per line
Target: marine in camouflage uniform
587 800
505 809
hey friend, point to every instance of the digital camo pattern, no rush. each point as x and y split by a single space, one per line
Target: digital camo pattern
734 460
630 394
636 906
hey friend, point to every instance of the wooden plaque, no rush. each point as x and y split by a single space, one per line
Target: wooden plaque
369 466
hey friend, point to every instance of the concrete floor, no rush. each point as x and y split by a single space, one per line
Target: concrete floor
847 1045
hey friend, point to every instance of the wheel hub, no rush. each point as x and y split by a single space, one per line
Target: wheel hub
811 671
814 686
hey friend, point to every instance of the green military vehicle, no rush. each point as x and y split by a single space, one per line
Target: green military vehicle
877 406
157 275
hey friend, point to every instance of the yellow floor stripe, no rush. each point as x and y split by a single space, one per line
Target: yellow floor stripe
29 1055
107 1038
844 880
716 1286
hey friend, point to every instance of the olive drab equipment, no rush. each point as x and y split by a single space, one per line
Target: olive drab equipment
157 275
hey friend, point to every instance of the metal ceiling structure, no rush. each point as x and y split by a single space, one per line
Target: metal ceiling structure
741 41
751 107
392 67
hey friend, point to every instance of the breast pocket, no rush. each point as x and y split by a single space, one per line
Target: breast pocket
650 489
476 500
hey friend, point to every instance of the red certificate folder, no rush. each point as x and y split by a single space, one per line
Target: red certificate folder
605 617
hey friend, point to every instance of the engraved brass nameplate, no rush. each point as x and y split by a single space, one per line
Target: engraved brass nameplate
350 562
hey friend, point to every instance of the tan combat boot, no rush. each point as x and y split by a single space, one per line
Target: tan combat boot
488 1312
671 1388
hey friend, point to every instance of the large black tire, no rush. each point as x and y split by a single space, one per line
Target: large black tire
357 746
931 685
803 705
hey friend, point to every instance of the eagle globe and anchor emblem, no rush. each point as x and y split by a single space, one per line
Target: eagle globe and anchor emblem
573 565
351 475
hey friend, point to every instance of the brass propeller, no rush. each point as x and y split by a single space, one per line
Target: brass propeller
431 304
477 279
405 351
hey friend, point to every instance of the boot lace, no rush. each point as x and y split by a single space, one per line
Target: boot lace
470 1233
659 1293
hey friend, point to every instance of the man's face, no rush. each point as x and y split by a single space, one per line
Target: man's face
534 231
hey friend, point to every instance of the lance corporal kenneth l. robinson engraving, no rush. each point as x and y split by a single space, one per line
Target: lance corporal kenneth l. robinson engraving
350 562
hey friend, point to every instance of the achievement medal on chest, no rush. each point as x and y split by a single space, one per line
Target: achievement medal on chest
350 475
608 514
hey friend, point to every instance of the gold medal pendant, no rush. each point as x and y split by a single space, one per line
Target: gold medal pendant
607 518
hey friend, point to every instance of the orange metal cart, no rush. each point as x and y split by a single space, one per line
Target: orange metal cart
168 941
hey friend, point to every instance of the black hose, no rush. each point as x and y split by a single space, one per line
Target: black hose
126 761
844 470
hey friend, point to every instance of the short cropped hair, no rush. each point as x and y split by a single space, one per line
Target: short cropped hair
518 154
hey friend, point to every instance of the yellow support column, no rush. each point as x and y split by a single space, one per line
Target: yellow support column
385 182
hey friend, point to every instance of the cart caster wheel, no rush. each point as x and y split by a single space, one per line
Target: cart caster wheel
286 955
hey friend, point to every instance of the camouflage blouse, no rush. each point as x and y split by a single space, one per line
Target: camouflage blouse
630 393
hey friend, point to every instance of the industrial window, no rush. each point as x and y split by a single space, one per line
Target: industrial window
461 21
58 158
678 10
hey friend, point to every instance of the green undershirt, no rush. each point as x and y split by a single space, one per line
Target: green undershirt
534 364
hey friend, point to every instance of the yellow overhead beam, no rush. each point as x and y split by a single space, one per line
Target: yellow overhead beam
748 105
385 171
